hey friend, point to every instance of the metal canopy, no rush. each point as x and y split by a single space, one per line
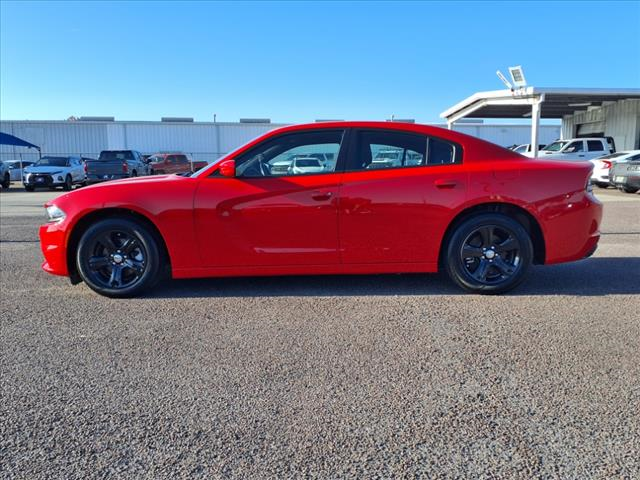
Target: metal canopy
534 103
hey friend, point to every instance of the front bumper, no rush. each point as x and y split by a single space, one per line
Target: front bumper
42 180
53 245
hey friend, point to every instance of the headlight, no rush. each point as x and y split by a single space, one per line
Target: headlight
55 214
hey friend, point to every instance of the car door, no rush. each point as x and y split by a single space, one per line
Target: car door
268 216
574 151
394 208
595 148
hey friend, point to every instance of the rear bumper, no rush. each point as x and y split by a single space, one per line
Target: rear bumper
626 181
96 178
572 228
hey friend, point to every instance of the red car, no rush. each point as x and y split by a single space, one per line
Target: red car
161 163
381 198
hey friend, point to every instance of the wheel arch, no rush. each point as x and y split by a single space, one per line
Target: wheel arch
521 215
90 218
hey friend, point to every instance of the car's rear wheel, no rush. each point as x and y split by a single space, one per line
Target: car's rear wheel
602 185
488 254
628 189
29 188
6 181
134 173
118 257
68 183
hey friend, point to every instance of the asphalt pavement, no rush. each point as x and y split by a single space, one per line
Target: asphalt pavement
377 376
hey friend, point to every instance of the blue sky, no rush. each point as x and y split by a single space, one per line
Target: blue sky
296 62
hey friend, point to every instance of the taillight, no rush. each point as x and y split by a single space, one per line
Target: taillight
125 167
607 164
85 167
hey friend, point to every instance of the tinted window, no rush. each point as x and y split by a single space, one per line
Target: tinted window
116 155
442 152
384 149
594 146
182 159
292 154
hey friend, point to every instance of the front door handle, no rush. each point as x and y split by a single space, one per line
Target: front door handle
321 196
445 183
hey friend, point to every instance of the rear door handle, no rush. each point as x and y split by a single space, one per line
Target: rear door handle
444 183
320 196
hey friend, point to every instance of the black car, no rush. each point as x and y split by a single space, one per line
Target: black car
626 176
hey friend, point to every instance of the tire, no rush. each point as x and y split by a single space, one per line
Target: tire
6 181
134 173
602 185
29 188
499 253
118 257
68 183
628 189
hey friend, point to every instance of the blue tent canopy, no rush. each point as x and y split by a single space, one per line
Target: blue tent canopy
6 139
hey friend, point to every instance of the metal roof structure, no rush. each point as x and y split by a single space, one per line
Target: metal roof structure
516 103
535 103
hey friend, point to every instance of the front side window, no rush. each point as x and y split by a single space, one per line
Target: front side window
292 154
594 146
574 147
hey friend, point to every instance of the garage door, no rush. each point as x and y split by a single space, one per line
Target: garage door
593 129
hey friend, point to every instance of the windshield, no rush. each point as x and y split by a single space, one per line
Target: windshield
52 162
116 155
555 146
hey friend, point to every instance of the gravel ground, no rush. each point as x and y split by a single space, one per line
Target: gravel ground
330 377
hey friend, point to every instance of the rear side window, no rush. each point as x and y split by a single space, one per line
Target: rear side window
386 149
594 146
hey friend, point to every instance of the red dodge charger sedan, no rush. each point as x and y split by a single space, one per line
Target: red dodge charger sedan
329 198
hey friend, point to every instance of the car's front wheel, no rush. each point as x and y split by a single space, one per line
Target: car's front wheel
488 253
29 188
68 183
118 257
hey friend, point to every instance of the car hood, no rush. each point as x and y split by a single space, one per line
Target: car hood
150 179
44 169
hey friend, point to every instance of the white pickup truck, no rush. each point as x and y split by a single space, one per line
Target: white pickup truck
578 149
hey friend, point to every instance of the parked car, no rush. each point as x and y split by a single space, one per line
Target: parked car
525 149
625 176
52 172
303 165
578 148
482 213
116 164
602 166
16 168
163 163
5 175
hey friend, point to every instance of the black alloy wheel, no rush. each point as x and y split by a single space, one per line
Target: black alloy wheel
118 257
489 253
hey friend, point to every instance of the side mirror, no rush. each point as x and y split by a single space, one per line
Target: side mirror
228 168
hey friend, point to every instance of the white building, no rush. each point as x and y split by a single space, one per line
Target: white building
202 140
